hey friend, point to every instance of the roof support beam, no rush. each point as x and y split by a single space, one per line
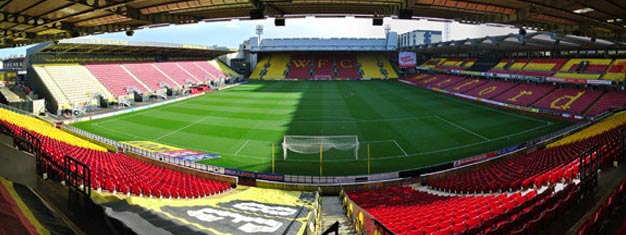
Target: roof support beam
159 18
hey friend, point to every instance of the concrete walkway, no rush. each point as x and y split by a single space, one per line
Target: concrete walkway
332 211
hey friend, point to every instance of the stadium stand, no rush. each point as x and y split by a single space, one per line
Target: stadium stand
386 68
150 76
518 63
608 123
54 89
569 100
260 68
509 66
617 71
194 69
346 67
610 100
457 63
435 81
432 62
543 167
76 83
114 172
524 94
482 64
44 128
542 67
404 210
223 69
466 85
451 63
177 73
323 66
369 66
278 65
415 78
448 82
592 76
213 71
300 67
116 79
491 89
583 68
613 203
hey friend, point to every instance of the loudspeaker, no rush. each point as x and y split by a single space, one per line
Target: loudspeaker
279 22
377 21
405 14
257 14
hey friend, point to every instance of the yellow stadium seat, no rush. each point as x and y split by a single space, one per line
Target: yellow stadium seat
278 65
391 73
224 68
45 128
596 129
577 75
369 65
432 62
614 77
539 66
260 66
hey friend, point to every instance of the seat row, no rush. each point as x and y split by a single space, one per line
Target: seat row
574 68
567 99
403 210
534 169
595 223
116 172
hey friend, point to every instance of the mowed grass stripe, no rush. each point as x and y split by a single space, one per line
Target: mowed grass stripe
242 122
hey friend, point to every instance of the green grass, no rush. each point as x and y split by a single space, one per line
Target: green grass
405 127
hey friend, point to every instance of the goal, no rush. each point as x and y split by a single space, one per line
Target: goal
312 144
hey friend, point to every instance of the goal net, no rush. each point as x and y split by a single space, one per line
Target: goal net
312 144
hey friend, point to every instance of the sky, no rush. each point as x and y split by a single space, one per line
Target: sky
234 32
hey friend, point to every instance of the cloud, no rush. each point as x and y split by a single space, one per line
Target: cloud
233 24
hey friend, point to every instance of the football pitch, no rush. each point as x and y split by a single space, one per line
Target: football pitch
403 126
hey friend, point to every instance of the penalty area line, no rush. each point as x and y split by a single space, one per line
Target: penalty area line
400 147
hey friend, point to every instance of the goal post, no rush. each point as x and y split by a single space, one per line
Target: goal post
314 144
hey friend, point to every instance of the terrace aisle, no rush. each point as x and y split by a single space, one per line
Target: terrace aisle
333 211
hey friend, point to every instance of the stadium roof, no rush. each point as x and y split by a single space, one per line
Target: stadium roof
324 44
109 47
26 22
536 41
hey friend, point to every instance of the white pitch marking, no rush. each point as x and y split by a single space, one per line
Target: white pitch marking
242 146
462 128
400 147
182 128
